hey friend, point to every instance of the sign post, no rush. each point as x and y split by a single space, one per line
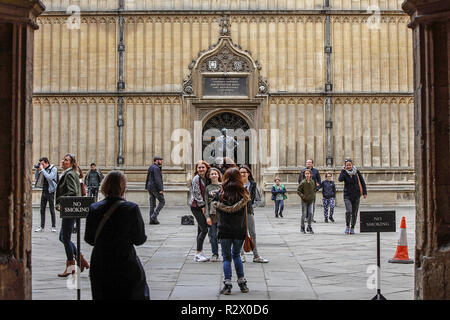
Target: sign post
76 208
377 221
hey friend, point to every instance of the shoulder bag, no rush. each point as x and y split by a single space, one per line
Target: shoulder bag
106 217
360 186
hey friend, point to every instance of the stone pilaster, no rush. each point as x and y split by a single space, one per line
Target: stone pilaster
17 26
430 21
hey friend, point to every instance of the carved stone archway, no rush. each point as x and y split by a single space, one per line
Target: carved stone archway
224 79
236 127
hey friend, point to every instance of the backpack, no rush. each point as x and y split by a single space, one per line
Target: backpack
57 176
187 220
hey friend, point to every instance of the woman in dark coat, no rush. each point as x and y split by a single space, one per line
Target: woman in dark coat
116 271
231 207
354 187
69 186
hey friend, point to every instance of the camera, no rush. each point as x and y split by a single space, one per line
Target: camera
36 166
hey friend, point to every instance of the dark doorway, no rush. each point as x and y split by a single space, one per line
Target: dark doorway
237 128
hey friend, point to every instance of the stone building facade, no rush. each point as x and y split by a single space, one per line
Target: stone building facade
115 81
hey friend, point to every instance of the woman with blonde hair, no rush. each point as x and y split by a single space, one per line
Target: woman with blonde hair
114 226
69 186
197 205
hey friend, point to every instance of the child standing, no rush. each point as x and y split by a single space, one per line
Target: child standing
329 194
211 190
278 195
306 191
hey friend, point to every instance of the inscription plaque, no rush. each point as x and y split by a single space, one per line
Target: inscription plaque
221 86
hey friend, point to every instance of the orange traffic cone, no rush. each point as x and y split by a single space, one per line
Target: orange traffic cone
401 255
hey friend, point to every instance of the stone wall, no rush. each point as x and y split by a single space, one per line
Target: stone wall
367 81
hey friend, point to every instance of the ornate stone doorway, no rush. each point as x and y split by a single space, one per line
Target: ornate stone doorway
237 141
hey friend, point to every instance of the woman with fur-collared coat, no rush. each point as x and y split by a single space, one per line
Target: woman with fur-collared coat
231 206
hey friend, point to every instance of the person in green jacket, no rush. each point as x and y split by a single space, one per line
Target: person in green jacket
278 195
69 185
306 190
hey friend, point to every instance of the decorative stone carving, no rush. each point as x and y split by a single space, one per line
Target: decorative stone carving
225 26
225 60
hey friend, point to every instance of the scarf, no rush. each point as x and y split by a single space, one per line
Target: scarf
352 172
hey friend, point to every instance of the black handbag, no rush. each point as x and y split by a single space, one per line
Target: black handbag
187 220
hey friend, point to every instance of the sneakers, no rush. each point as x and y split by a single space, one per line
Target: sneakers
243 258
242 283
53 229
39 230
215 258
352 231
260 260
331 219
276 216
310 230
302 229
347 230
227 287
326 220
200 257
281 215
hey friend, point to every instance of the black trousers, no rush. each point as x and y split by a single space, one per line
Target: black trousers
50 198
202 226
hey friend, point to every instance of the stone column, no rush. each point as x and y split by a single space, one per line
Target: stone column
430 21
17 26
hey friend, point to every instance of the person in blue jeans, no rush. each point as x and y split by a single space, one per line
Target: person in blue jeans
231 207
279 195
211 190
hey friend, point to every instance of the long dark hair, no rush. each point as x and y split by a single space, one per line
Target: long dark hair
233 189
250 175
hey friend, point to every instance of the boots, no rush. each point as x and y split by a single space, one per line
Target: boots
243 285
227 288
70 269
84 263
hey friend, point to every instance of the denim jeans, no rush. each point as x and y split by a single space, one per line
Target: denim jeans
231 249
279 206
212 234
153 195
46 196
307 210
93 192
64 236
